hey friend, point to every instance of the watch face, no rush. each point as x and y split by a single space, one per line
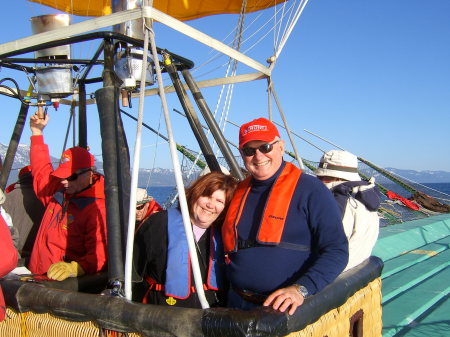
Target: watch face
302 290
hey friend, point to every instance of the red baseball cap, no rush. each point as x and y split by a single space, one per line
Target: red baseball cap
72 160
258 129
24 170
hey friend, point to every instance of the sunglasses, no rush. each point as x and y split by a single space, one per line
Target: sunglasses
264 148
76 175
139 207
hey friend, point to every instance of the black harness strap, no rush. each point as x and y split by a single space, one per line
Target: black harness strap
244 244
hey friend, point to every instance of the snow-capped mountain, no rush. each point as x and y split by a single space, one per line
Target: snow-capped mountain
422 176
147 177
165 177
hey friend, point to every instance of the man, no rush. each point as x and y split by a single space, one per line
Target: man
282 234
145 206
358 201
26 211
71 240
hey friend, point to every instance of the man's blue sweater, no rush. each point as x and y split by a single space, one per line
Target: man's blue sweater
313 220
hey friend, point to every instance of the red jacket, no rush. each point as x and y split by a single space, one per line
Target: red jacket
8 260
73 227
153 207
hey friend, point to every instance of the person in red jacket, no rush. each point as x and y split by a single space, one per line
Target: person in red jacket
145 206
71 240
8 259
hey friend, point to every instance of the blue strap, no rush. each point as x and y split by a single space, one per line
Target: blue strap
178 273
80 202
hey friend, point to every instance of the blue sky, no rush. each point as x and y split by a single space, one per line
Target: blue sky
370 76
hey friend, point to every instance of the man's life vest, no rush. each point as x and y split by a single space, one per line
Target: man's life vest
275 211
178 271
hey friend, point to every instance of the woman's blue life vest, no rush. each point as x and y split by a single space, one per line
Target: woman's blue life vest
178 270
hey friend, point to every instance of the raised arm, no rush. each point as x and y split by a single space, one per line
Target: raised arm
44 184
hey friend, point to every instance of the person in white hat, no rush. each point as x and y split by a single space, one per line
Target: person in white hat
145 206
358 201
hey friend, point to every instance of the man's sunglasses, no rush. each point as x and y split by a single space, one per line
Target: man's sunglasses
76 175
139 207
264 148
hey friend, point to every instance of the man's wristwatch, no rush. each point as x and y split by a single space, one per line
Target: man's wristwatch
302 290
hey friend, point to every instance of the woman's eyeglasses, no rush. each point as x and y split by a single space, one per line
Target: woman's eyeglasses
264 148
76 175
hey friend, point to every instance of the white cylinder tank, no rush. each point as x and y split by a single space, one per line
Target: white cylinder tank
45 23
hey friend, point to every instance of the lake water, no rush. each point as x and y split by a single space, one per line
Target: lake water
161 193
443 187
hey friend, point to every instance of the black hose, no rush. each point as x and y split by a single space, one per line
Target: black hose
107 105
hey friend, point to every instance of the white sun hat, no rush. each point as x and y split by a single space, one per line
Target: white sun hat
338 164
142 197
207 170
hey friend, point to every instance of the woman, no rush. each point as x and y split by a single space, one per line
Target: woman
8 260
161 250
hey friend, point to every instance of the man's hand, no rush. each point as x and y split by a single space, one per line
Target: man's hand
37 124
61 270
284 298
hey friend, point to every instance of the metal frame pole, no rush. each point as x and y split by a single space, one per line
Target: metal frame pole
212 124
13 144
191 115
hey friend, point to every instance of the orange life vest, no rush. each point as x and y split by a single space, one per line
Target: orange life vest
275 211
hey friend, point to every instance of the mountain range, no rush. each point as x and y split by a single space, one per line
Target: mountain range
422 176
147 177
165 177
